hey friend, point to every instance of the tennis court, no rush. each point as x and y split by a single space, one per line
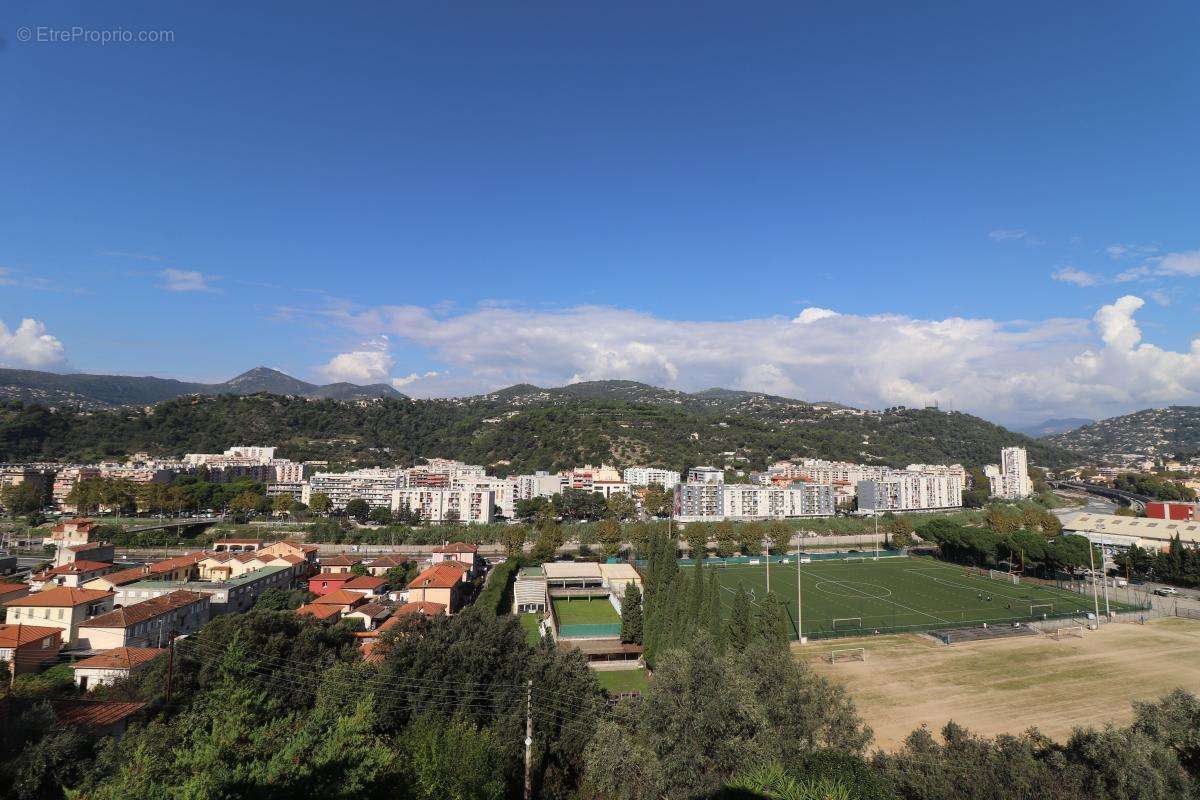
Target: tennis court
858 597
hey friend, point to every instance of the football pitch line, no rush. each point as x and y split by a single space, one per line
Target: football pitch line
967 586
886 600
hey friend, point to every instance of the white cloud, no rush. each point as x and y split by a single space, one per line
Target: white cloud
1118 251
184 280
1006 235
1186 264
1075 276
812 314
1006 370
29 346
371 363
411 378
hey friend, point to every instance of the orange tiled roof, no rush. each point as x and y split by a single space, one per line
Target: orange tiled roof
421 607
17 635
319 611
457 547
340 561
147 609
364 582
75 568
93 713
61 596
440 576
341 597
121 658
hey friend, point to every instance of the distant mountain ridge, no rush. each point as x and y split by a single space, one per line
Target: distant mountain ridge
1152 432
86 391
1050 427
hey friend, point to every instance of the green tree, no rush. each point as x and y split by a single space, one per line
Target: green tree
696 536
381 515
282 504
780 535
609 532
453 758
513 537
726 538
358 509
631 614
621 506
739 628
319 503
657 502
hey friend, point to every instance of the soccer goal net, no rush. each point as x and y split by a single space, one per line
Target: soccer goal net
1069 632
1010 577
847 623
848 654
1041 609
854 558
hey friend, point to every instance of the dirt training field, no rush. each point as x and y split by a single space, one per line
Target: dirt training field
1008 686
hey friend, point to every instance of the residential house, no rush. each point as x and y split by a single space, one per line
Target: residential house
110 666
150 623
462 552
11 591
179 568
380 565
368 585
371 615
74 574
95 717
339 563
443 583
344 599
92 551
62 607
70 532
326 582
233 595
324 613
27 648
237 545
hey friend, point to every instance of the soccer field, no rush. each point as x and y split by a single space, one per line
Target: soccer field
853 598
584 611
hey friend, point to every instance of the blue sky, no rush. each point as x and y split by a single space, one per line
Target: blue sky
458 197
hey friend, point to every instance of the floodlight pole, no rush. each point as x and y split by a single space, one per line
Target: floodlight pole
768 566
1095 597
799 599
1104 575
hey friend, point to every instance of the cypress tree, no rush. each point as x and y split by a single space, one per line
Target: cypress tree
713 612
631 614
739 630
770 622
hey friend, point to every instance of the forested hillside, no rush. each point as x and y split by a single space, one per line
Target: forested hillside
513 433
1173 431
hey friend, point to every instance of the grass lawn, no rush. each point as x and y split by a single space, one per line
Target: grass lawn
622 680
897 594
584 611
530 623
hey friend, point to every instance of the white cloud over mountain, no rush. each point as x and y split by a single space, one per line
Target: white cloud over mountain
372 363
29 346
1006 370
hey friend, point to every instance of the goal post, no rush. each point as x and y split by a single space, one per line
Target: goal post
1041 609
847 623
847 654
1068 632
1010 577
854 558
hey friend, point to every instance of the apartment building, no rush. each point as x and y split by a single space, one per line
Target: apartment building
705 475
901 490
1010 478
65 481
62 607
470 506
644 476
746 501
442 473
587 476
148 624
226 596
539 484
697 500
504 491
375 486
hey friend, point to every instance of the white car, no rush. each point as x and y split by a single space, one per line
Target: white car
1166 591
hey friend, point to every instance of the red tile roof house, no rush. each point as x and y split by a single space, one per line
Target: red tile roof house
149 623
371 615
11 591
380 565
74 574
370 640
92 551
324 613
62 607
368 585
236 545
96 717
339 563
29 647
342 598
105 669
462 552
326 582
442 583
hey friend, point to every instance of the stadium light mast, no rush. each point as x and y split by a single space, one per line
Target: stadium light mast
768 566
799 598
1095 597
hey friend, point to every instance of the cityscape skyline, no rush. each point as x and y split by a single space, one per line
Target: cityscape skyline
876 211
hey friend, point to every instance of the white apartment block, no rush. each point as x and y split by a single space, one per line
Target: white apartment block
900 490
644 476
469 506
1010 478
504 491
248 453
747 501
705 475
442 473
711 502
539 484
376 486
587 476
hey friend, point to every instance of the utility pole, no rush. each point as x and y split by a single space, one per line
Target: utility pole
528 739
170 666
768 566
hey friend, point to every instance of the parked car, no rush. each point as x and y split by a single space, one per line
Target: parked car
1166 591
